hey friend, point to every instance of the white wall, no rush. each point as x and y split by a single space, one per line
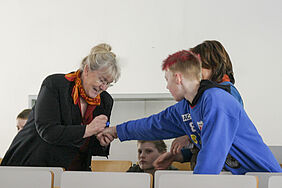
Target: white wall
40 37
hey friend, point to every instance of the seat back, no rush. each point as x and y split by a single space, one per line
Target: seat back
14 178
204 181
275 182
110 165
159 173
263 177
76 179
57 171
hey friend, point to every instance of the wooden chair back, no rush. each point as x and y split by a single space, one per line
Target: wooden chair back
110 165
182 166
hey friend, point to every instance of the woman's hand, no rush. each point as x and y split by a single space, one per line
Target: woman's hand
97 125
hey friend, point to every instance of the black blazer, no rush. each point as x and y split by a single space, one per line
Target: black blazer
53 133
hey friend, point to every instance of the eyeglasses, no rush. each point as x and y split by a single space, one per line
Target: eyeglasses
104 82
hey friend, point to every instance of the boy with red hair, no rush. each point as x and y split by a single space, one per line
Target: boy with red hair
211 117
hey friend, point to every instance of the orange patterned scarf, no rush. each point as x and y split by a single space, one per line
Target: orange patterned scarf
78 89
225 78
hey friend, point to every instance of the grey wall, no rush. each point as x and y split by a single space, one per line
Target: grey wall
40 37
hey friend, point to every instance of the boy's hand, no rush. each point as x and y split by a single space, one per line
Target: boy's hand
163 161
179 143
107 136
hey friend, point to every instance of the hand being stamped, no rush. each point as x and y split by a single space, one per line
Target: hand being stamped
97 125
107 136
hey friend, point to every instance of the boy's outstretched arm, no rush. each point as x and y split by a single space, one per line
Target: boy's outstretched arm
164 125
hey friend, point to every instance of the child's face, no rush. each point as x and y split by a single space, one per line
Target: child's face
147 154
174 85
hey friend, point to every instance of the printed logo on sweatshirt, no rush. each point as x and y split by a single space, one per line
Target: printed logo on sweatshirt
192 127
194 138
186 117
200 124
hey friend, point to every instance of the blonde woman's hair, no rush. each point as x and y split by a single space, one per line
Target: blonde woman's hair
101 57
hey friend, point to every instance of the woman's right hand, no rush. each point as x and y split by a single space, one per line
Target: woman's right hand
97 125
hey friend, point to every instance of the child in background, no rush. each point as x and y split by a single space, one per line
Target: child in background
22 118
148 152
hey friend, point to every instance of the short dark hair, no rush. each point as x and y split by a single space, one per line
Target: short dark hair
24 114
159 144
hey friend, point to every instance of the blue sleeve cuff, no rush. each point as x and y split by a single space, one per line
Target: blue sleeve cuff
120 133
187 154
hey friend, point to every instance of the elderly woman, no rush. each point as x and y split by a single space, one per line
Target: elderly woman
71 109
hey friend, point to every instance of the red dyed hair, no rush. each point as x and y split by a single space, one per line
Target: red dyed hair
179 57
186 62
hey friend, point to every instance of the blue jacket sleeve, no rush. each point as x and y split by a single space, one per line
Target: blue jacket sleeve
187 154
218 133
163 125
